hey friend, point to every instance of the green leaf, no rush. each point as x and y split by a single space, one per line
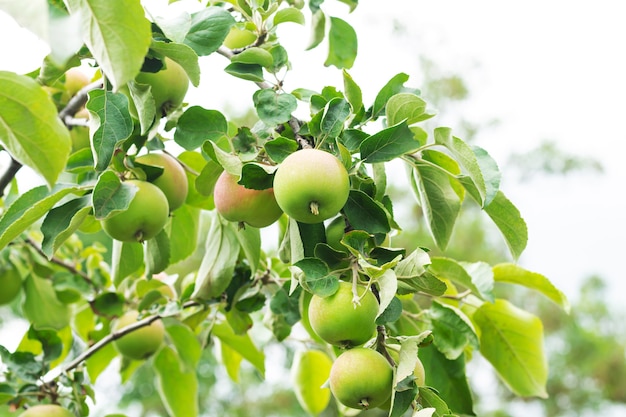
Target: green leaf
353 138
218 264
186 343
280 148
209 28
274 108
290 14
342 44
490 173
30 129
318 277
42 307
336 113
126 258
353 92
388 144
250 72
318 29
111 195
241 344
157 253
393 87
439 201
452 330
111 124
183 232
61 222
515 274
450 379
366 214
470 276
404 107
177 386
29 207
250 241
254 55
118 41
231 360
428 398
310 370
511 224
197 125
182 54
511 339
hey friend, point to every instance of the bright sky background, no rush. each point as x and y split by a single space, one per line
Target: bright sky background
545 69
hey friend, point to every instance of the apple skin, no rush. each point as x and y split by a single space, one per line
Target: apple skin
339 322
144 218
173 181
236 203
169 86
334 233
141 343
308 178
75 80
46 410
361 378
10 284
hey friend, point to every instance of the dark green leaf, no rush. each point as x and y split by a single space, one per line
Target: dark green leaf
108 304
61 222
428 398
317 277
336 113
353 138
197 125
279 148
391 313
254 55
250 72
388 144
111 195
343 44
365 214
451 330
274 108
255 176
209 28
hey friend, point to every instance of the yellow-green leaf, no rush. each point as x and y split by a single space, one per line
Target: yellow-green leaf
309 373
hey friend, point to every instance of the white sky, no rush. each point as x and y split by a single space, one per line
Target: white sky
546 69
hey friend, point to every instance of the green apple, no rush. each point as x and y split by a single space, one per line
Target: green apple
339 321
10 284
236 203
46 410
169 86
361 378
173 180
144 218
334 233
141 343
75 80
311 185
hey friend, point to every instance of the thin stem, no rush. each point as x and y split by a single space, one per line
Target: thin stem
9 174
78 101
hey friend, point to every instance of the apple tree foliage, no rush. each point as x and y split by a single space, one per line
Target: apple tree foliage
76 280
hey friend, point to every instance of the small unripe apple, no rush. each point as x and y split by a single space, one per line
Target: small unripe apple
46 410
236 203
173 180
141 343
169 86
144 218
311 185
339 321
334 233
10 284
75 80
361 378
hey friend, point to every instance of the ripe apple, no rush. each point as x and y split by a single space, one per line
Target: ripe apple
10 284
141 343
144 218
361 378
173 180
239 38
311 185
236 203
169 86
46 410
338 321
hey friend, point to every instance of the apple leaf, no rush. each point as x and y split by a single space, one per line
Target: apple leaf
429 398
197 125
231 359
183 232
352 139
29 207
111 195
450 379
342 44
241 344
389 144
439 201
186 343
353 92
61 222
177 386
30 129
318 29
274 108
250 72
118 41
42 307
452 330
157 253
254 55
110 123
290 14
515 274
309 373
393 87
510 222
126 258
511 339
336 112
405 107
471 276
208 30
318 277
100 361
280 148
364 213
181 54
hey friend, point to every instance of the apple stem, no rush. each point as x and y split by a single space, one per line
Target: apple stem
315 208
364 403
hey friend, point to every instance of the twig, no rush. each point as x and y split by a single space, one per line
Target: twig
9 174
78 101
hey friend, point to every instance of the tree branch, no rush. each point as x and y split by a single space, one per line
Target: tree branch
9 174
78 101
